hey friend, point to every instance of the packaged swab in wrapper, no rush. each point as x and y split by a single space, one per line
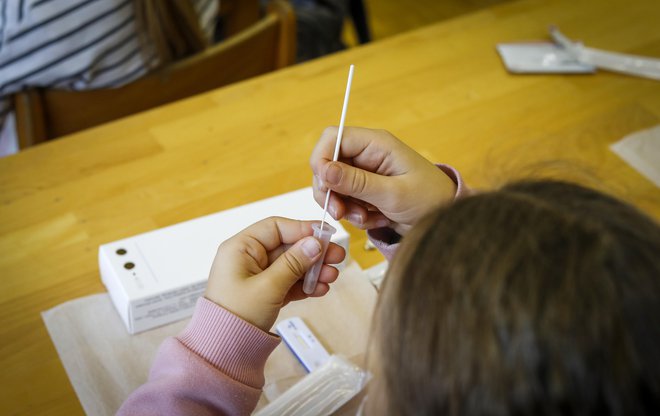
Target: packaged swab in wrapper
320 392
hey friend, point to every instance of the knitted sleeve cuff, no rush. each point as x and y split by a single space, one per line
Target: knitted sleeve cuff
234 346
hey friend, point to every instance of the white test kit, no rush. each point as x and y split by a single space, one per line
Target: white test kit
155 278
564 56
540 58
302 342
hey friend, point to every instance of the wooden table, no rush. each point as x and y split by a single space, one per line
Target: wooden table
442 89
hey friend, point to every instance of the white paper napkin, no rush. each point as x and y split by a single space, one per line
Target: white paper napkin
642 151
105 364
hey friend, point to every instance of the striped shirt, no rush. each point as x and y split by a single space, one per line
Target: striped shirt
74 45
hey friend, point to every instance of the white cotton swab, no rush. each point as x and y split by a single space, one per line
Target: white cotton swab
325 231
347 94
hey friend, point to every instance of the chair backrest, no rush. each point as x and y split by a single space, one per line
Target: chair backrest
43 114
236 15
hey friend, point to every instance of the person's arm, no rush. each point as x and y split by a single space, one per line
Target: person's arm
215 366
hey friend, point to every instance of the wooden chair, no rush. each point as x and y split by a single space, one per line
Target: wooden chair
236 15
44 114
358 13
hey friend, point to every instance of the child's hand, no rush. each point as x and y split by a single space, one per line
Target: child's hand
259 270
378 180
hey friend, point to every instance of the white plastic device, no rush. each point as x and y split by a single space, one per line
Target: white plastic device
302 342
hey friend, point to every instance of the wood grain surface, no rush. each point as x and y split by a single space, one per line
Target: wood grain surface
442 89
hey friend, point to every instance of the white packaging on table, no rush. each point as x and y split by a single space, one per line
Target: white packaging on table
155 278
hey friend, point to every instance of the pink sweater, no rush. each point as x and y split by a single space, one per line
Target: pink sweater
216 365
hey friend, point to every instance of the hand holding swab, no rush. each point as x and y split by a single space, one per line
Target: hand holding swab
325 231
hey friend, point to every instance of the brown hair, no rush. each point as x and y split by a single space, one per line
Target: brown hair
541 298
171 27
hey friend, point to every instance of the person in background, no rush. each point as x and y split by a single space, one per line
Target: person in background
90 44
319 25
538 298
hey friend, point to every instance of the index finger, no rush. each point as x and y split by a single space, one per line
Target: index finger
275 231
355 141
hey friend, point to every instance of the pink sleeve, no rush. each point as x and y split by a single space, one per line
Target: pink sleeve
387 240
214 367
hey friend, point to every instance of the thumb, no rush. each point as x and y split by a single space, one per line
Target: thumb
355 182
294 263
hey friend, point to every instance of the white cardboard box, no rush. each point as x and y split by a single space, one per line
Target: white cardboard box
155 278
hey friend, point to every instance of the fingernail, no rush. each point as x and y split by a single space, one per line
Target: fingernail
311 247
333 174
354 218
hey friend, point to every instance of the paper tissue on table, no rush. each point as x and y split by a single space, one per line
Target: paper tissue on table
105 363
641 150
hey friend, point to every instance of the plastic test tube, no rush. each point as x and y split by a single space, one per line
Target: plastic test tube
324 235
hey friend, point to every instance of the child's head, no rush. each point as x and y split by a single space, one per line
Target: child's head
539 298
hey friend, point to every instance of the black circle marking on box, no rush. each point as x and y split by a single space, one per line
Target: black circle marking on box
129 265
121 251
